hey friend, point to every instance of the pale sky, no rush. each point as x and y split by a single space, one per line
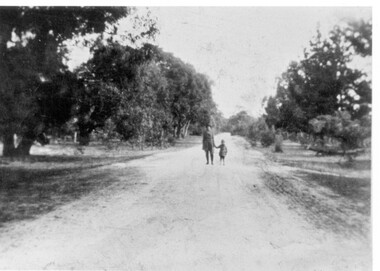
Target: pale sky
242 49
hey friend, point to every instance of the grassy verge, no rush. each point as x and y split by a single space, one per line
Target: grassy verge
345 212
327 190
297 157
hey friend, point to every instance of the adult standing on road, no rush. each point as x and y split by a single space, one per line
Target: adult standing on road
208 144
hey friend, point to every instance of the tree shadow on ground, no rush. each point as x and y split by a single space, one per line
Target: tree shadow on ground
27 192
356 189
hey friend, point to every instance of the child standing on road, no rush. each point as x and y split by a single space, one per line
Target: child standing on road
222 152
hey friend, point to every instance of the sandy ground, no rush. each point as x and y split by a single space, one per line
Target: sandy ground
183 215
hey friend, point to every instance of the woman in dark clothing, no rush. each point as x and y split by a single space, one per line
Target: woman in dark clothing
208 144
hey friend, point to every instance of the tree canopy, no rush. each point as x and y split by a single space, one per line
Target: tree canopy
142 93
324 83
157 94
32 69
37 89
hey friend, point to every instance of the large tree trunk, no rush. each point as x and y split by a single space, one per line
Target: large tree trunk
5 35
84 139
141 141
179 128
23 149
75 137
28 138
9 148
186 129
162 138
84 135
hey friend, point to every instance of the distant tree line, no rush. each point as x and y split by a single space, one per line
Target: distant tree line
253 128
133 93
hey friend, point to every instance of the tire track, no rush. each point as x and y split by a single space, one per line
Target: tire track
326 211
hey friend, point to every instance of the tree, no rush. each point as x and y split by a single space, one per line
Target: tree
358 34
106 78
323 82
220 121
32 53
157 93
342 127
256 129
139 99
144 113
97 101
240 123
189 92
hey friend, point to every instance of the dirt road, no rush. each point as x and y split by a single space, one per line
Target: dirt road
180 214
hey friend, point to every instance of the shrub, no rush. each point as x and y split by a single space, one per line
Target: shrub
340 126
292 137
171 140
253 143
266 138
304 139
278 143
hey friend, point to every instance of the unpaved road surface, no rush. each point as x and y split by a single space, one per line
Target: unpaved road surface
180 214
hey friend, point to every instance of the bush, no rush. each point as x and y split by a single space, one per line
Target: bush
266 138
340 126
304 139
171 140
253 143
278 143
293 137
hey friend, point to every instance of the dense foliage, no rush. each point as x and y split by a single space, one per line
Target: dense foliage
254 129
147 93
324 90
139 94
320 97
36 87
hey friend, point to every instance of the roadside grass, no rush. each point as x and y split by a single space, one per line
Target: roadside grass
357 190
296 156
329 191
58 174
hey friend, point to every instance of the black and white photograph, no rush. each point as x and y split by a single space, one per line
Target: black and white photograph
187 137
